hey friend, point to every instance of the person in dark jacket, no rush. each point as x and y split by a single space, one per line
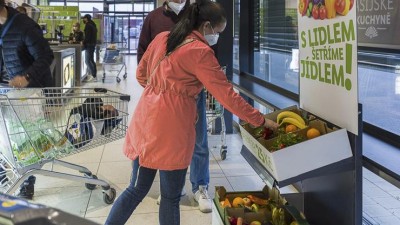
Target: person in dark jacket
159 20
26 56
25 61
89 44
76 37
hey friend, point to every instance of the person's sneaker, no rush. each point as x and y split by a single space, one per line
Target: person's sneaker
90 78
27 189
201 196
183 193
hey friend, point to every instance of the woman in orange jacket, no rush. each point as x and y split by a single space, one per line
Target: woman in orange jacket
174 69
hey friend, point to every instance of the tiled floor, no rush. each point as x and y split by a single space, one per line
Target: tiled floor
381 200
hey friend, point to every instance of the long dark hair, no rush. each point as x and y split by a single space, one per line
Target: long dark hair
197 13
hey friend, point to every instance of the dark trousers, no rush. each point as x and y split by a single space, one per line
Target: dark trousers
171 185
89 60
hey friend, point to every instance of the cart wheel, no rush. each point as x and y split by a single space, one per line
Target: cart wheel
109 199
223 152
91 186
118 79
125 76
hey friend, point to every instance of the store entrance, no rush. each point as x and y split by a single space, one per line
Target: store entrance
123 30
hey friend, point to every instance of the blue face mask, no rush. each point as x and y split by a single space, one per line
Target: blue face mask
212 39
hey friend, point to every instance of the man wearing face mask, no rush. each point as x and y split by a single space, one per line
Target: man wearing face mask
160 20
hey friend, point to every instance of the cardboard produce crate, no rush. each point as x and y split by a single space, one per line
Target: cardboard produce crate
331 147
264 215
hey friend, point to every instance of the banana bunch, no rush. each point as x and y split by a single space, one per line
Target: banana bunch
278 216
291 118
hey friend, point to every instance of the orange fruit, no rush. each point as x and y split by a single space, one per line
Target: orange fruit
312 133
238 202
290 128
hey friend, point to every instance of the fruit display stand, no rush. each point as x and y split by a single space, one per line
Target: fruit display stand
326 170
265 207
331 147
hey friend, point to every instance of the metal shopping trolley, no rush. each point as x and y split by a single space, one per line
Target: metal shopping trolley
112 60
40 126
215 110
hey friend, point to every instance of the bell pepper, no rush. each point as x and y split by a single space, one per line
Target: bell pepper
330 9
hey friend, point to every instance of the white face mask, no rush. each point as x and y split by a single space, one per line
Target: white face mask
212 39
176 7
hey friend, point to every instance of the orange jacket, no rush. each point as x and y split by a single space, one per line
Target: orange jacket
162 130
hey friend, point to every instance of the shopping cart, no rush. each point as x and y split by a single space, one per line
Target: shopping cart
215 110
112 60
40 126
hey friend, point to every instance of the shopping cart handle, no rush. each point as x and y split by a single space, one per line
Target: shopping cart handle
102 90
125 98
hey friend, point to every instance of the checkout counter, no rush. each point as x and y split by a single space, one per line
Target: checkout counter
64 67
80 68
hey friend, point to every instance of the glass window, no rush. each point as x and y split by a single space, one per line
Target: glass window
89 6
56 3
123 7
379 89
72 3
276 43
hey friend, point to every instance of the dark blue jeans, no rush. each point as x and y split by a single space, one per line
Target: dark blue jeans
199 167
171 184
89 60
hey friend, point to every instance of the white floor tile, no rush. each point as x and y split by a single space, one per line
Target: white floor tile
215 169
113 152
387 220
89 156
195 217
236 165
246 183
115 172
70 199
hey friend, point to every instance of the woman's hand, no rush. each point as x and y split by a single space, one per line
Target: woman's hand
271 124
18 81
